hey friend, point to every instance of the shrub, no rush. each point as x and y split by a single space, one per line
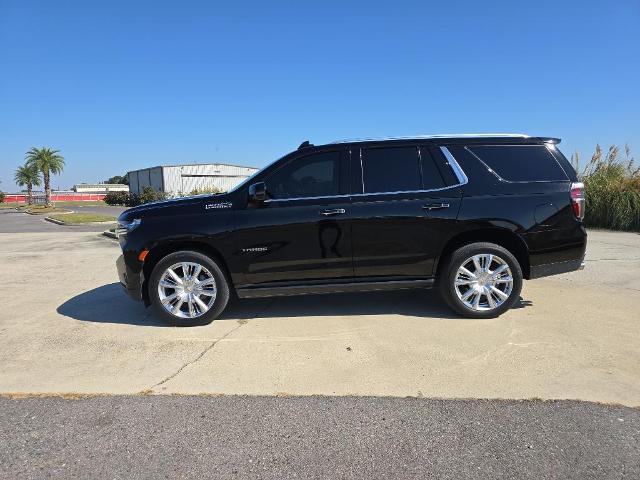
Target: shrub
1 197
200 191
132 199
150 195
117 198
612 186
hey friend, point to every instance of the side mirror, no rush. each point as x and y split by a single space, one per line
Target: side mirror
258 192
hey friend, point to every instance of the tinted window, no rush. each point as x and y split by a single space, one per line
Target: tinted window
520 163
391 169
565 164
310 176
431 177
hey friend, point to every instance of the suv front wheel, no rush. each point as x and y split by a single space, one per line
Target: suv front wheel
188 288
481 280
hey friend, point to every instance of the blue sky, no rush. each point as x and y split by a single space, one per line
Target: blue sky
120 85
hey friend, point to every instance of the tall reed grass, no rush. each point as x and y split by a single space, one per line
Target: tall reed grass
612 185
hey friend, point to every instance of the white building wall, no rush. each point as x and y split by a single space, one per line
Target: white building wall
146 177
133 181
183 179
155 179
186 178
99 188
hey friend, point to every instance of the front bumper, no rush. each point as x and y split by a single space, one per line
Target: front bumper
129 280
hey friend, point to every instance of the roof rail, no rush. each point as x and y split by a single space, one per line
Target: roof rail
426 137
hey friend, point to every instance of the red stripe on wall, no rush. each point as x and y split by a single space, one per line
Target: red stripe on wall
58 197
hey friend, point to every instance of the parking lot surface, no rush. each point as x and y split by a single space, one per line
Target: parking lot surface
12 221
67 327
312 437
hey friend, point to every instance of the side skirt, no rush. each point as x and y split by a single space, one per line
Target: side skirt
361 285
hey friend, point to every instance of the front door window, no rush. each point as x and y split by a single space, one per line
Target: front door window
312 176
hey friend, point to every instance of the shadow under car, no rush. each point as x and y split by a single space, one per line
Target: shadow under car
109 304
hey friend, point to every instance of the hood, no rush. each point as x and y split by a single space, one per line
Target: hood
171 206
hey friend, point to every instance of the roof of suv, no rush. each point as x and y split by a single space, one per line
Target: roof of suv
461 138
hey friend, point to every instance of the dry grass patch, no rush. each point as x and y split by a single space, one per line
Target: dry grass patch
78 218
42 210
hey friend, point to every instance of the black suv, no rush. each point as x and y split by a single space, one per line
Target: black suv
469 214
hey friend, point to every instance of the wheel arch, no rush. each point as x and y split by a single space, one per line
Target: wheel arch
500 236
158 252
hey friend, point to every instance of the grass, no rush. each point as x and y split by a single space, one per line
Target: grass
612 187
75 218
41 209
10 205
88 203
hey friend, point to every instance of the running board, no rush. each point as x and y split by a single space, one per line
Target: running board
340 287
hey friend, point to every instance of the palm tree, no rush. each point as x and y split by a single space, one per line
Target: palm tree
46 161
29 176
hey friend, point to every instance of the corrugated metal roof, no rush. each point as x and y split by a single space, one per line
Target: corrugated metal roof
196 165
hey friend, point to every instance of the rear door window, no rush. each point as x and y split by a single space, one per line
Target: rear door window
520 163
431 174
386 170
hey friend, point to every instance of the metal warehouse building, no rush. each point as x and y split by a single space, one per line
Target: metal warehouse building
99 187
183 179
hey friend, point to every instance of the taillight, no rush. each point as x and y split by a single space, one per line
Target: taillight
577 199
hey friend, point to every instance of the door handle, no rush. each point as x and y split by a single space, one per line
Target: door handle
333 211
435 206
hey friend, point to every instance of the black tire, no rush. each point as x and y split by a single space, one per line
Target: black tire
447 277
221 284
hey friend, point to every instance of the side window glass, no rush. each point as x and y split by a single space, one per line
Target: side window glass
391 170
431 177
520 163
311 176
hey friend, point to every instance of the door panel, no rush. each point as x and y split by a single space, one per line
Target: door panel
398 232
295 240
395 235
302 232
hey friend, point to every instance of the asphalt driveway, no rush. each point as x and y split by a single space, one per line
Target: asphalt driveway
316 437
13 221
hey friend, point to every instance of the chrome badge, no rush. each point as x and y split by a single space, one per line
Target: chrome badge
210 206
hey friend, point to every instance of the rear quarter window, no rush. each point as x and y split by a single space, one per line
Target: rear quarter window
520 163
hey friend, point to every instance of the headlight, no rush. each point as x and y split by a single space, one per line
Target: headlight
125 227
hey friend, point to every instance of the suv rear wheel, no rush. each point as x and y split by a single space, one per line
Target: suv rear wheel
481 280
188 288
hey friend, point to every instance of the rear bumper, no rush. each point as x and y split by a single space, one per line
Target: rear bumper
557 268
129 280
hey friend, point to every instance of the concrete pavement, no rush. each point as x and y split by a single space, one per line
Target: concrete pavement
98 209
575 336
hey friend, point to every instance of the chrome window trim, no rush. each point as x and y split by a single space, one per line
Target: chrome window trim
406 191
271 200
361 169
455 166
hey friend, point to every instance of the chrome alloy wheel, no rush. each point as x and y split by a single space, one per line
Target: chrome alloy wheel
187 290
483 282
